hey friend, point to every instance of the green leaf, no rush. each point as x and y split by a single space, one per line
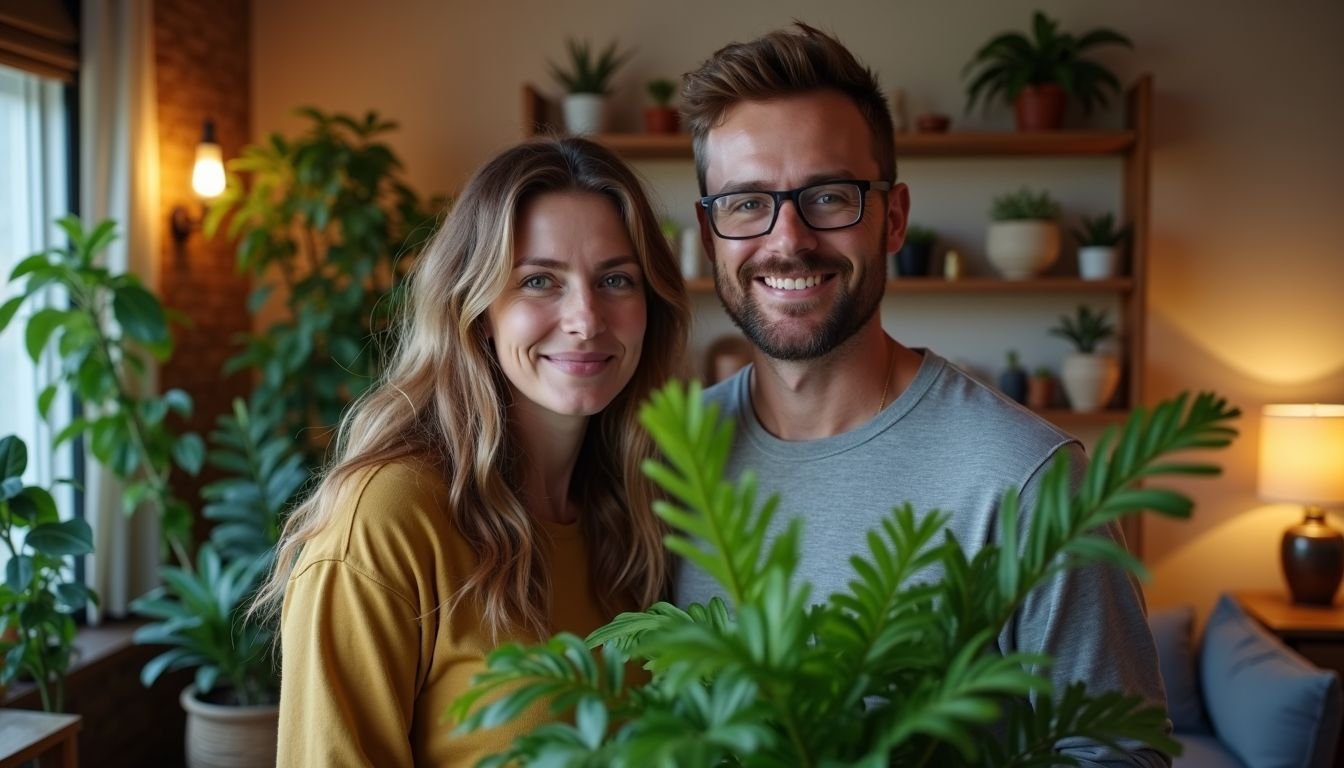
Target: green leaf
68 538
189 453
8 310
41 325
45 399
13 457
19 572
178 401
140 314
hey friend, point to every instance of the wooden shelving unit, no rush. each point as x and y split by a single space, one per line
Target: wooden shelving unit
1132 144
1050 285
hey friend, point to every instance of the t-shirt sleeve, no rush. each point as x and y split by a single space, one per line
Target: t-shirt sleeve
352 633
1091 621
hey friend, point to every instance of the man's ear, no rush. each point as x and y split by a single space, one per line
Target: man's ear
706 232
898 216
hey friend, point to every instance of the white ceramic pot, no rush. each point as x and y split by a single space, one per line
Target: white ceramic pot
1097 262
585 113
220 736
1021 249
1089 380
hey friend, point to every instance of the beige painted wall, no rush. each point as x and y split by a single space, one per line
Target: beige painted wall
1248 171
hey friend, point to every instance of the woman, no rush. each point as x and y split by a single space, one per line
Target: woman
489 489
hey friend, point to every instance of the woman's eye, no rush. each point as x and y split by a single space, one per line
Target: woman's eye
618 281
536 282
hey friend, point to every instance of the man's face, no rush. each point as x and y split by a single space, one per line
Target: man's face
798 293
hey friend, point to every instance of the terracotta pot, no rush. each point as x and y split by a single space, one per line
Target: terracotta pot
1040 392
660 120
1039 107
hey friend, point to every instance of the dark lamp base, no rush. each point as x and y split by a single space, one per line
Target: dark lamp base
1313 559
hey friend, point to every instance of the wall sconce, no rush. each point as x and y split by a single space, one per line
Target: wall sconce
207 181
1302 460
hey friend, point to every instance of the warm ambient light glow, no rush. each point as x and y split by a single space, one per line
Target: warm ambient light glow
207 177
1302 454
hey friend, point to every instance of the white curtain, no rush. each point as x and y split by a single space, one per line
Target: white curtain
119 179
34 192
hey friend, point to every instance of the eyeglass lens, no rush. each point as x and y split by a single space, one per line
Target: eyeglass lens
824 206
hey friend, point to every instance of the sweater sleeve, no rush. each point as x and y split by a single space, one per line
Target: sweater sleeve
352 636
1091 621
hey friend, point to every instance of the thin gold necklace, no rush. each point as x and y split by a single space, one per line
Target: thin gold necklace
886 382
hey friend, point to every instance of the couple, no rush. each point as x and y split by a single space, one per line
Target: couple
489 489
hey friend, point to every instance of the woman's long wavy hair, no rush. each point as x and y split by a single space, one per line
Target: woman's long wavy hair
444 397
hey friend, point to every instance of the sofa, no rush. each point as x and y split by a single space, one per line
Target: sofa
1240 698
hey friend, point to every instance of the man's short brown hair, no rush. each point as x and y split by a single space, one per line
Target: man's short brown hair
786 62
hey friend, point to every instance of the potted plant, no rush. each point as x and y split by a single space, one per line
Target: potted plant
1038 74
105 340
200 613
1013 379
39 596
327 216
661 117
586 81
916 253
894 671
1088 375
1041 389
1023 236
1098 246
325 221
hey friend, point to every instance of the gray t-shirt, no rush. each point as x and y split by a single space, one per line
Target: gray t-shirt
948 443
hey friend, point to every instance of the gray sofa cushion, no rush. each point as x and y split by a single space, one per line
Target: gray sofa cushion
1205 752
1176 658
1270 706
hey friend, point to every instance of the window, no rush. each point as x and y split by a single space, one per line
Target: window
34 192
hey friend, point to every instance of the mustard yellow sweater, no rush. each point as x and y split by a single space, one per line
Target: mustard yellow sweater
370 660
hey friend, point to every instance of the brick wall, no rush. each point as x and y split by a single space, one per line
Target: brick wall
202 61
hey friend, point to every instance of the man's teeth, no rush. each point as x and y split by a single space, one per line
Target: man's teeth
793 284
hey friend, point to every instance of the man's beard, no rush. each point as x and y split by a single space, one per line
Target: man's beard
850 311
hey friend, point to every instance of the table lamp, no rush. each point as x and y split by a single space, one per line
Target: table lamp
1302 461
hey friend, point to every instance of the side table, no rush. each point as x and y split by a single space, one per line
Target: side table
1316 632
26 735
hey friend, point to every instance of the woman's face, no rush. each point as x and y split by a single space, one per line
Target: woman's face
569 327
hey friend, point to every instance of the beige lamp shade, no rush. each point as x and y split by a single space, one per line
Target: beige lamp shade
1302 454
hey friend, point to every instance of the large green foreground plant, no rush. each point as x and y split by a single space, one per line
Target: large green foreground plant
39 596
325 218
102 341
892 672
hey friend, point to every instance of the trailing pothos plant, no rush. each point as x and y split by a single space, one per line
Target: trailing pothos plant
201 614
103 338
39 595
325 218
893 672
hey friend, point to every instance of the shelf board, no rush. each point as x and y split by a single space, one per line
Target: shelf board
976 285
1066 419
649 146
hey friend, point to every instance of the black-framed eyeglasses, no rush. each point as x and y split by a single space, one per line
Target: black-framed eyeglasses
822 206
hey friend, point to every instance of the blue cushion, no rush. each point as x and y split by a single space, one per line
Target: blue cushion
1176 659
1270 706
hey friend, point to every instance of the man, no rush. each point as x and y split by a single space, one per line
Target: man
795 157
